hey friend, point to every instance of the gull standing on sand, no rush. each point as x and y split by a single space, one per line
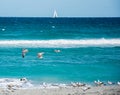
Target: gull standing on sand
24 51
40 55
85 88
118 83
24 80
98 83
110 83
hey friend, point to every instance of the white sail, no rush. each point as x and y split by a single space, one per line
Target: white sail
55 14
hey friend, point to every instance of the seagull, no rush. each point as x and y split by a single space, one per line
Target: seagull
110 83
80 84
118 83
40 55
44 85
23 80
85 88
24 51
99 83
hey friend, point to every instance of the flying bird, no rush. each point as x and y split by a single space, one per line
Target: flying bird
40 55
24 51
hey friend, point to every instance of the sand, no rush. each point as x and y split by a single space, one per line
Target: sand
103 90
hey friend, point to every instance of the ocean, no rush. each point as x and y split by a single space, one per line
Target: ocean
89 49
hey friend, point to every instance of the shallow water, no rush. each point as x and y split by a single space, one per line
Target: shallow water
90 49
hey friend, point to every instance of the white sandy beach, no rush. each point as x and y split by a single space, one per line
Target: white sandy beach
103 90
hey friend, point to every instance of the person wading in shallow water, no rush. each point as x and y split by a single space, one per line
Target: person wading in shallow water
24 51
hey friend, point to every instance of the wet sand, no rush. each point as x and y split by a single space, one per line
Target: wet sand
102 90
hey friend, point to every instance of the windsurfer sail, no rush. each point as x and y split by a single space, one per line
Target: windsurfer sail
55 14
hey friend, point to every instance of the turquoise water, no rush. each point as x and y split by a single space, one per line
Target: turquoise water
78 61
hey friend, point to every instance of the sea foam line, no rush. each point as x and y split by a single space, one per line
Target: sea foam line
61 43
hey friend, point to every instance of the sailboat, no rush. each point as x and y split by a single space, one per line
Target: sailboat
55 14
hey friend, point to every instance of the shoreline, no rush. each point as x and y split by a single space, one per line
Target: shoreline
24 87
93 90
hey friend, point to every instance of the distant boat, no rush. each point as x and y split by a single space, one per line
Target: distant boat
55 14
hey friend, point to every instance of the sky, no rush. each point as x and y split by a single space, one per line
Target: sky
64 8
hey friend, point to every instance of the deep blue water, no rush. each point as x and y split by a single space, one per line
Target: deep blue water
84 63
62 28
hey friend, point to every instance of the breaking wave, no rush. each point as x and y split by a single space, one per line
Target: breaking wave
61 43
16 83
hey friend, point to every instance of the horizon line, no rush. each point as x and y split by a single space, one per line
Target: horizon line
59 17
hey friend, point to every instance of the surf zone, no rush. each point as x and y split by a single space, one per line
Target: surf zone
61 43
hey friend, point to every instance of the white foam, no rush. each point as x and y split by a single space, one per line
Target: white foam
61 43
5 82
24 84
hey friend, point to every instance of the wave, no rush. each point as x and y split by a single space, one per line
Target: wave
61 43
24 83
17 83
